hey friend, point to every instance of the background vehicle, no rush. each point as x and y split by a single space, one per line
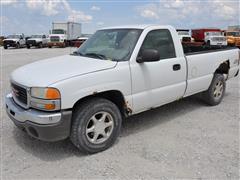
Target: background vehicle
80 41
184 35
210 36
63 34
118 72
37 41
1 40
233 38
17 41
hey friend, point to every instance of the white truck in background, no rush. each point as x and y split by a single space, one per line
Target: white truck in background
16 40
37 40
184 35
64 33
85 95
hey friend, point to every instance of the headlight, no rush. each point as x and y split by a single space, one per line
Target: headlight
45 98
61 40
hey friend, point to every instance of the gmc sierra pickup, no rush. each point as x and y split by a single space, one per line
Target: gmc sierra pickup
118 72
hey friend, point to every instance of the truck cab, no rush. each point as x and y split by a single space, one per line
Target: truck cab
215 38
17 41
57 37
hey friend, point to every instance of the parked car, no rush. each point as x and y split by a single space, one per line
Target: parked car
233 38
118 72
210 36
37 41
16 41
64 34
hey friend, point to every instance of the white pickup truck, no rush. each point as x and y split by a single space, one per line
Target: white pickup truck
118 72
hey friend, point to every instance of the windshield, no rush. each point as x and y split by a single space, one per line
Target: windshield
233 34
13 36
110 44
183 33
57 31
214 33
36 36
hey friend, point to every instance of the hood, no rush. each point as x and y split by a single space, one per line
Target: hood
49 71
10 39
36 39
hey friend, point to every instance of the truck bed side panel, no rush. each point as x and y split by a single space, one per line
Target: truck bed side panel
201 68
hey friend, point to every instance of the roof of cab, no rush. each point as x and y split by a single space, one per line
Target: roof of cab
140 26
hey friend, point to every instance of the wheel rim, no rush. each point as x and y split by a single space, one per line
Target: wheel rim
218 90
99 127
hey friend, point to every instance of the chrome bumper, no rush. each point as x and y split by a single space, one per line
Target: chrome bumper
22 115
45 126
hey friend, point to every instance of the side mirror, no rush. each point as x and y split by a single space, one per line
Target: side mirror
148 55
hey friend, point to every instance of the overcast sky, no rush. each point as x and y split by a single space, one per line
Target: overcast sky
36 16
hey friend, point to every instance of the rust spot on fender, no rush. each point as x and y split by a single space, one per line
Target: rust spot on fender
94 92
127 107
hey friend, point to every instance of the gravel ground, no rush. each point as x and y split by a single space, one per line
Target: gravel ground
185 139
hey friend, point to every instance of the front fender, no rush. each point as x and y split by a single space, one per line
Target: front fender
78 87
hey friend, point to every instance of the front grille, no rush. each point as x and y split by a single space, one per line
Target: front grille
33 42
218 39
54 39
8 42
186 39
19 94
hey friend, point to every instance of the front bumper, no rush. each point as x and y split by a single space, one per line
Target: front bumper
10 44
60 44
46 126
218 43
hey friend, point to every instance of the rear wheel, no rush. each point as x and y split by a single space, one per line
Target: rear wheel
214 95
96 125
28 46
5 47
49 46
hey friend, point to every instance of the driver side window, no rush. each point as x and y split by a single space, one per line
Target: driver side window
160 40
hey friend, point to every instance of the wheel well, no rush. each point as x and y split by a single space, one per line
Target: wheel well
114 96
223 68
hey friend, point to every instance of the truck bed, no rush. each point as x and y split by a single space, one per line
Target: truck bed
191 50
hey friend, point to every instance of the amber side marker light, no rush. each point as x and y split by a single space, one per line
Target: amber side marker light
52 93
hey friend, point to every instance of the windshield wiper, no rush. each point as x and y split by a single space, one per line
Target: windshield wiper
100 56
76 53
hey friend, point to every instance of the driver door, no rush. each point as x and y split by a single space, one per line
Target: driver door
160 82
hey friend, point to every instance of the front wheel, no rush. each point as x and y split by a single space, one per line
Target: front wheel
18 46
96 125
214 95
5 47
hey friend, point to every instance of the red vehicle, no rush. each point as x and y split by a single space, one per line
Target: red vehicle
210 36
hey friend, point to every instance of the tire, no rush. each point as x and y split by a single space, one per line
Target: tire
49 46
40 45
18 46
5 47
87 123
28 47
214 95
208 44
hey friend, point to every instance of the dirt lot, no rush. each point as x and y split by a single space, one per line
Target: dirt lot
185 139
